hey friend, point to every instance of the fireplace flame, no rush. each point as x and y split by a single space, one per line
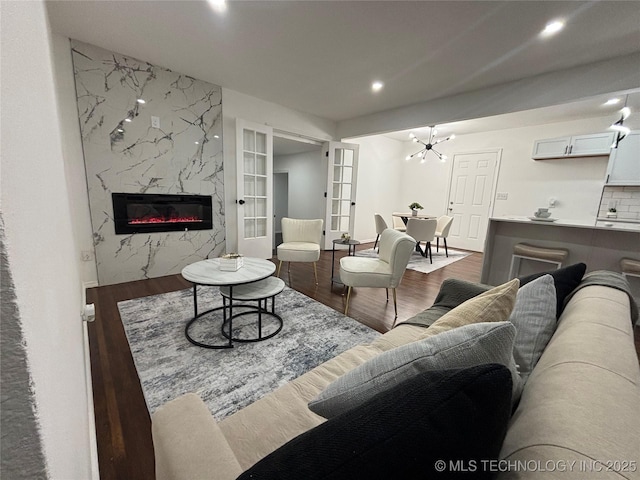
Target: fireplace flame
158 219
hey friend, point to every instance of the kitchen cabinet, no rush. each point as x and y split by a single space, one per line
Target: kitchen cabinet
574 146
624 162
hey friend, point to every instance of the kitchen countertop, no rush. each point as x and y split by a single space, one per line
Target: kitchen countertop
598 224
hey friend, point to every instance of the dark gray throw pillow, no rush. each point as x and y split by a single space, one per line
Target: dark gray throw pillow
566 279
406 432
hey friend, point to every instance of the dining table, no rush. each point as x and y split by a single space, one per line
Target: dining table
406 216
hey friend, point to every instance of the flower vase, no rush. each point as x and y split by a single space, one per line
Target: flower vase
414 213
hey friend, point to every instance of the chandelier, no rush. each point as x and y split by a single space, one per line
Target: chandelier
618 127
428 145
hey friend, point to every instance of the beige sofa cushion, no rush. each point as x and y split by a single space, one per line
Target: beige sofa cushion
265 425
184 426
582 400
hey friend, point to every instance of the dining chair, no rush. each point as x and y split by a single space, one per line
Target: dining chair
386 271
300 242
422 230
381 226
442 231
398 224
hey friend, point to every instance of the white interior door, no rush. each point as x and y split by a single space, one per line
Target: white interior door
341 189
254 164
470 194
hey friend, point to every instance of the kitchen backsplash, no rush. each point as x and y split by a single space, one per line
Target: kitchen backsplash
626 201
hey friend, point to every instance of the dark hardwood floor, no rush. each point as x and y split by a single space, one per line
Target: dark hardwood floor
123 426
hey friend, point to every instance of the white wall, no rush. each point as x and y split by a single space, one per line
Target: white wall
379 185
41 247
576 183
73 155
307 183
238 105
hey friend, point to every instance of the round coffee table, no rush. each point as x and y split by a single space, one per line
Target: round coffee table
208 273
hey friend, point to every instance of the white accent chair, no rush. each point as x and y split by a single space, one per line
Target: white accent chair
300 242
398 224
386 271
422 230
442 231
381 226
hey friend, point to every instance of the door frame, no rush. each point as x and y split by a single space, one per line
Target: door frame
494 186
279 172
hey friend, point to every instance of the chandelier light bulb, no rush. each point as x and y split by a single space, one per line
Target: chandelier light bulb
625 112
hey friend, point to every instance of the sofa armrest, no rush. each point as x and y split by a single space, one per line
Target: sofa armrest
189 444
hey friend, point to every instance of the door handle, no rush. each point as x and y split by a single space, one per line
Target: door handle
241 202
353 203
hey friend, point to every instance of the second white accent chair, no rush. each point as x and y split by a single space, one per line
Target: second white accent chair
442 232
398 224
422 230
381 226
300 242
386 271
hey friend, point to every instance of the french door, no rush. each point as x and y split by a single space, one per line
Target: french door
254 172
341 189
470 194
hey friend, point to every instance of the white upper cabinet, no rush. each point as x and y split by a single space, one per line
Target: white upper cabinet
575 146
624 163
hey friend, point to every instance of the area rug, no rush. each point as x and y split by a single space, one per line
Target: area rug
228 380
421 264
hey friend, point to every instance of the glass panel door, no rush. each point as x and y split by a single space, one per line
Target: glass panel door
341 190
255 165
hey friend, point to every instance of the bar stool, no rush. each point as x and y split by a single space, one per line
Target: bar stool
630 267
540 254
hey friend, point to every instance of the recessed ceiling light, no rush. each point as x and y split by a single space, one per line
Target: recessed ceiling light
127 120
377 86
120 130
611 101
552 27
197 143
219 6
140 101
216 136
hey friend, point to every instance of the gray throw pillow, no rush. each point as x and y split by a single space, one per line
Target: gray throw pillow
534 316
462 347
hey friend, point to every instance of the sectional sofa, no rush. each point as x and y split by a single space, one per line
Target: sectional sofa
570 408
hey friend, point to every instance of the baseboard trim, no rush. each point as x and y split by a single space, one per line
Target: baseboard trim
91 418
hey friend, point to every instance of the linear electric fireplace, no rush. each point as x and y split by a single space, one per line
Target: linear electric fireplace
145 212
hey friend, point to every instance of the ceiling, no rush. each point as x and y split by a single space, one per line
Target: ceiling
593 107
321 57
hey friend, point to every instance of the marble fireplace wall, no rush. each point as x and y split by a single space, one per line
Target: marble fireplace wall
183 155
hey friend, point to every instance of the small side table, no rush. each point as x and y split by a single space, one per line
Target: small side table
351 246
